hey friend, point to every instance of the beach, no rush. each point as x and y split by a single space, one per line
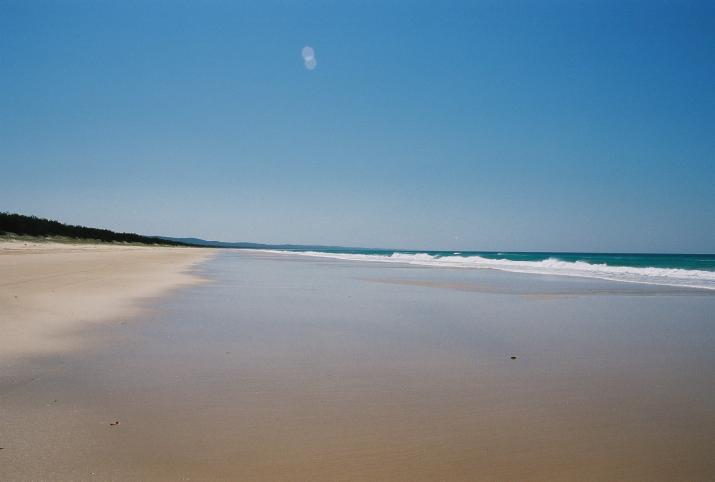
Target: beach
48 289
284 367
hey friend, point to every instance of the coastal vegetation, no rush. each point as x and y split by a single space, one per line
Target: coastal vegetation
12 225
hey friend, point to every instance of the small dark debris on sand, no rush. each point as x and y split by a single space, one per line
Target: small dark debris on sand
116 422
513 357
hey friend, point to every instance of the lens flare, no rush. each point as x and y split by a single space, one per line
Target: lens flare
310 63
307 53
309 60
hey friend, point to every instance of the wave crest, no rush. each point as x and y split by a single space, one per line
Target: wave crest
689 278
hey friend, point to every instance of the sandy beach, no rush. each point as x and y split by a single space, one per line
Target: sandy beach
49 290
292 368
357 241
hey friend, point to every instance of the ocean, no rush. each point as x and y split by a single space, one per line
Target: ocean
680 270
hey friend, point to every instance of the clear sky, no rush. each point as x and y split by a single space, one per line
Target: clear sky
544 125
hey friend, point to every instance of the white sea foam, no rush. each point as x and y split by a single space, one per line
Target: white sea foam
551 266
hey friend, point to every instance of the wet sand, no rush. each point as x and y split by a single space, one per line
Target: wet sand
289 368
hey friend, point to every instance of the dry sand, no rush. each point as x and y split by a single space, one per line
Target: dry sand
48 290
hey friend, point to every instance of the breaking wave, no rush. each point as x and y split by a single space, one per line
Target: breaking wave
690 278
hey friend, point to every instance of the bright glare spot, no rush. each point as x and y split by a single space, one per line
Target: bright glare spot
309 59
310 63
307 53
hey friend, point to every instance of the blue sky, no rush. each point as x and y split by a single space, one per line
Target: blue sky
552 125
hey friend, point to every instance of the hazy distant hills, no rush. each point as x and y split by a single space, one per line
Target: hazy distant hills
245 245
214 244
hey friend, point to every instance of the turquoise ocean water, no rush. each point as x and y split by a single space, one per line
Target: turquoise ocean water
683 270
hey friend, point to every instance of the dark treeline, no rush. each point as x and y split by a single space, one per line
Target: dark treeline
34 226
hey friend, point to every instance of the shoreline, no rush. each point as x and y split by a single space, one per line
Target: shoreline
286 368
681 278
49 290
